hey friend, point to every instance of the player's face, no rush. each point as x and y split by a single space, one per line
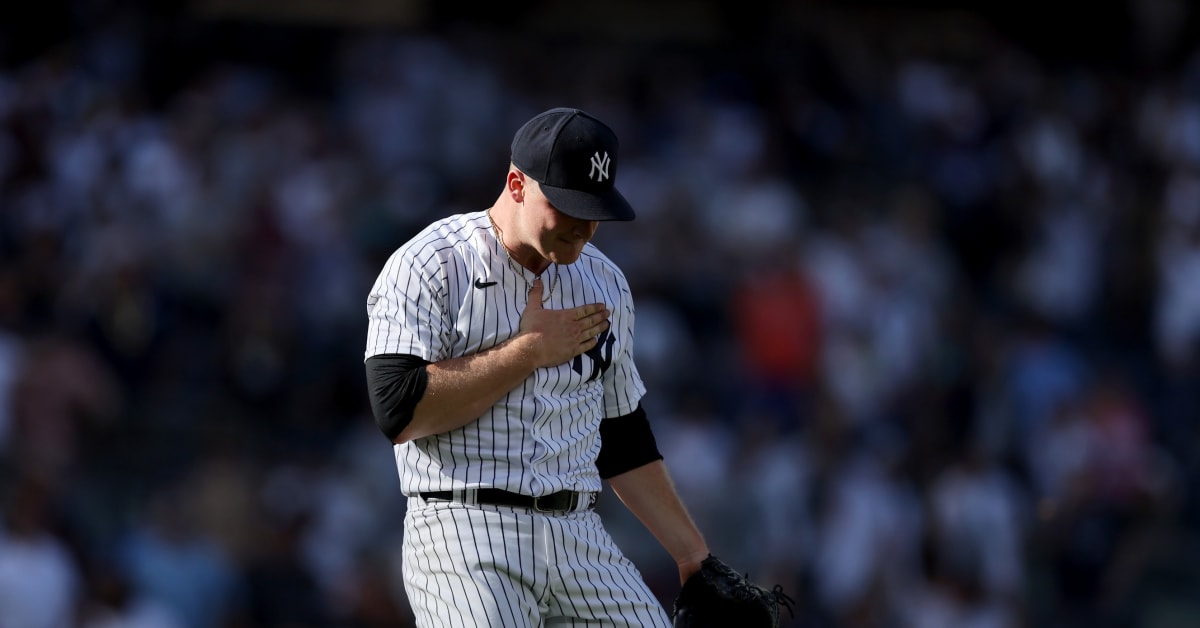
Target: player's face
559 237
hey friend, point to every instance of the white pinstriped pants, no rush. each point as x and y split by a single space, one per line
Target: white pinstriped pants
485 566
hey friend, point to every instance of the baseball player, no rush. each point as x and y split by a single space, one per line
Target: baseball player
499 363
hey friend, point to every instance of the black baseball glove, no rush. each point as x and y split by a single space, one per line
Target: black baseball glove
719 597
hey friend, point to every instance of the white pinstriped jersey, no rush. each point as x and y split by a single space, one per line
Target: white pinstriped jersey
435 299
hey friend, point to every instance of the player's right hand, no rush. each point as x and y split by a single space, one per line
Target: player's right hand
561 334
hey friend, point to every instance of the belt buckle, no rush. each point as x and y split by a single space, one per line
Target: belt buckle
554 499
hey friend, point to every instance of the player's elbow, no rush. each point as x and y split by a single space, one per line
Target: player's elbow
402 424
394 420
396 383
395 426
409 433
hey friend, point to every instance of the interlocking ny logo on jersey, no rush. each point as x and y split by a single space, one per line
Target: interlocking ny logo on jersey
600 164
601 356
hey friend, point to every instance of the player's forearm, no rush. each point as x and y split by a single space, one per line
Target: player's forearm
460 390
649 494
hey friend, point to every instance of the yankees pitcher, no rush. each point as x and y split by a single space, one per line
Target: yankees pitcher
499 362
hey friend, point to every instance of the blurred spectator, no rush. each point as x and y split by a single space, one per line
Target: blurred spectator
1177 321
776 320
778 472
952 595
978 518
40 581
1059 277
279 589
62 390
175 564
1043 370
868 529
115 604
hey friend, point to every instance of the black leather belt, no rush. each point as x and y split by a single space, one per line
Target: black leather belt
560 502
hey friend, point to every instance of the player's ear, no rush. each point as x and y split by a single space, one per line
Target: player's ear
516 185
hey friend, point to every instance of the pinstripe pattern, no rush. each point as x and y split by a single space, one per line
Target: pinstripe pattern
496 566
490 566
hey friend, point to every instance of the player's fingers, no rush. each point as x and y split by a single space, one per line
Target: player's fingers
590 309
586 345
594 319
595 330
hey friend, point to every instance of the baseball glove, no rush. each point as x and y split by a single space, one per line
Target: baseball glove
719 597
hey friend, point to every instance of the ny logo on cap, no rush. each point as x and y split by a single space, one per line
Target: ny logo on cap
599 170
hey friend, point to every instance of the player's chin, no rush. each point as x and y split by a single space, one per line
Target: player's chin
566 254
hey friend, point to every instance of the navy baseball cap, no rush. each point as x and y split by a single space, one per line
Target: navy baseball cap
574 158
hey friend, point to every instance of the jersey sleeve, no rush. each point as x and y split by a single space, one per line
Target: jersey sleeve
623 386
406 308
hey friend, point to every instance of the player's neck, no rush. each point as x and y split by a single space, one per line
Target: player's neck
518 251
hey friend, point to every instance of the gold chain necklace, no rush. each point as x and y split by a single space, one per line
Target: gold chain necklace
519 270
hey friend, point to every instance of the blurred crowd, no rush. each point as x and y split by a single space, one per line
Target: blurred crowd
918 311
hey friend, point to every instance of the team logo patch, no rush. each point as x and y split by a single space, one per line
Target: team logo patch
601 356
600 165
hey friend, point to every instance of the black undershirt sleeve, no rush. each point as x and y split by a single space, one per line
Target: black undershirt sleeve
626 443
395 383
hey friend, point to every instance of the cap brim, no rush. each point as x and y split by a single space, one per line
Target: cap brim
609 205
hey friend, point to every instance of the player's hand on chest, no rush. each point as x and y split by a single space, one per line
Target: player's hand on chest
562 334
577 340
